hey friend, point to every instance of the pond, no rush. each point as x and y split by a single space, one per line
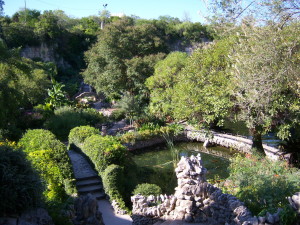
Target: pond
156 165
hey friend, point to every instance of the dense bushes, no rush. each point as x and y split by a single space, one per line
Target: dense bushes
49 156
262 184
147 189
79 134
20 186
66 118
150 130
113 182
104 151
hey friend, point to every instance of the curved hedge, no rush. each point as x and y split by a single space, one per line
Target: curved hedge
78 134
20 186
49 156
104 151
113 182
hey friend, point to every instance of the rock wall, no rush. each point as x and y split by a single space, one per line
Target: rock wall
44 52
86 211
197 201
241 144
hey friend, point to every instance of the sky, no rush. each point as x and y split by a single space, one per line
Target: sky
150 9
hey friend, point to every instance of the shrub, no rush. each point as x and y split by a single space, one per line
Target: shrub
63 120
104 151
262 184
146 189
150 130
20 186
117 115
66 118
113 182
78 134
50 158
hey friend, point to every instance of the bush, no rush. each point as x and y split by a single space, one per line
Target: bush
78 134
147 189
113 182
20 186
262 184
117 115
49 156
151 130
63 120
66 118
104 151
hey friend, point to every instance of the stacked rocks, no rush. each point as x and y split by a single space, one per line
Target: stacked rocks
195 200
86 211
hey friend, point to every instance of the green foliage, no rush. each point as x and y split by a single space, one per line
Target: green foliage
66 118
56 95
113 181
104 151
22 83
161 83
49 156
78 134
20 186
262 184
149 131
147 189
123 57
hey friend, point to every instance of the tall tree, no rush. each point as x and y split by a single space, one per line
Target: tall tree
266 74
118 56
1 7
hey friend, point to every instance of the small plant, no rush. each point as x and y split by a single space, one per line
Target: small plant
146 189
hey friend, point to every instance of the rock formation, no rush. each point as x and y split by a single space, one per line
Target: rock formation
197 201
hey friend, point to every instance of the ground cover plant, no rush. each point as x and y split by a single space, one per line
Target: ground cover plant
263 185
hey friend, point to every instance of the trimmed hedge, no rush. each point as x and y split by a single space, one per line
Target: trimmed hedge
113 182
20 186
146 189
49 156
104 151
78 134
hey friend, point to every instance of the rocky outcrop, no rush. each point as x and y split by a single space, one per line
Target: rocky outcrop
197 201
38 216
44 52
86 211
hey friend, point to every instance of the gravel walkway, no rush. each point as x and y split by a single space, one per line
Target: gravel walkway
81 167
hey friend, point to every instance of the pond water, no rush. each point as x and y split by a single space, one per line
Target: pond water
156 165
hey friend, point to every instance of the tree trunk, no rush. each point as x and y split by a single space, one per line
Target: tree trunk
257 141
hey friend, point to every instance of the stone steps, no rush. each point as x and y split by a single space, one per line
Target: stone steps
87 180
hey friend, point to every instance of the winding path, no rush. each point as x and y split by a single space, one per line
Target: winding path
87 181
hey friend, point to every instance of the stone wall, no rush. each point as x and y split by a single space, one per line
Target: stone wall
197 201
44 52
239 143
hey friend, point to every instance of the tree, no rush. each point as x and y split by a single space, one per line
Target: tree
119 53
202 91
161 84
1 7
266 75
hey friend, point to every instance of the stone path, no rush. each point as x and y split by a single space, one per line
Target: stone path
87 181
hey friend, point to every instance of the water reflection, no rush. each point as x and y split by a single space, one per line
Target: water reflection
156 165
